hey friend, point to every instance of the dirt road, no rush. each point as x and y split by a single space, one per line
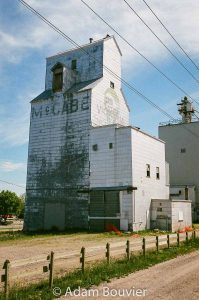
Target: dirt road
174 279
28 256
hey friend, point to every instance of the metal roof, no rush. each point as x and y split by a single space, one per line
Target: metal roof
77 87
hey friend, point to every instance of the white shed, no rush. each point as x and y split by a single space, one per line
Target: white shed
171 214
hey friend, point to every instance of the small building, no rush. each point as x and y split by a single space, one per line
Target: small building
182 153
173 215
87 167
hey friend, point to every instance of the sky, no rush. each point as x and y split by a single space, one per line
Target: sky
25 42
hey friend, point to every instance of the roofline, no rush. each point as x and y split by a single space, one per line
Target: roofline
147 134
119 126
178 124
85 46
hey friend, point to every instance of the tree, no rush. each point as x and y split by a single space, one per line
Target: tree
22 206
10 203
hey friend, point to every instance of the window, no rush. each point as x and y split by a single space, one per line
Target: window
112 85
183 150
74 64
57 84
95 147
148 172
110 145
157 173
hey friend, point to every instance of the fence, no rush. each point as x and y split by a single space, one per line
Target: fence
79 259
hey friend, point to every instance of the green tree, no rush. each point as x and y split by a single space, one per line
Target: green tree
22 206
10 203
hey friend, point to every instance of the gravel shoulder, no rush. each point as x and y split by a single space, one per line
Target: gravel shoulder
173 279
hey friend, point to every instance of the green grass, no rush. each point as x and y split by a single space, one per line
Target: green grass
101 272
20 235
196 226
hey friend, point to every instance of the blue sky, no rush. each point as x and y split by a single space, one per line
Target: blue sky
25 42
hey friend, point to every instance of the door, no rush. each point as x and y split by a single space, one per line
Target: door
103 206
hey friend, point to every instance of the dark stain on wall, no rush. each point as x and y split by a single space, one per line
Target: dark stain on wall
59 181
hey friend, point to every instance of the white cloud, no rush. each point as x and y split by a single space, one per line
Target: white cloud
9 166
181 17
17 39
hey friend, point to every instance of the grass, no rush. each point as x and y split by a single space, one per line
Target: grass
101 272
20 235
196 226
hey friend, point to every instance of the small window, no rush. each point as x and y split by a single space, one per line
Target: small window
112 85
110 145
95 147
159 208
57 78
157 173
74 64
148 172
183 150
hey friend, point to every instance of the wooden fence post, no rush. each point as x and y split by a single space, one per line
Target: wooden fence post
157 243
51 269
194 234
6 278
82 259
128 250
144 246
108 253
178 239
168 241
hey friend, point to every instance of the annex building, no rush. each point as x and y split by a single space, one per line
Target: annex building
182 153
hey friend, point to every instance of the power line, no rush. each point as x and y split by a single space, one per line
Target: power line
12 183
82 49
106 68
165 46
127 42
171 35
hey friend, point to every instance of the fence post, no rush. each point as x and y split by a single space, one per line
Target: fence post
108 253
168 241
6 277
144 246
128 249
194 234
187 236
157 243
178 239
82 259
51 269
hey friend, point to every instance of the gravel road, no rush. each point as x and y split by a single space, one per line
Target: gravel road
174 279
